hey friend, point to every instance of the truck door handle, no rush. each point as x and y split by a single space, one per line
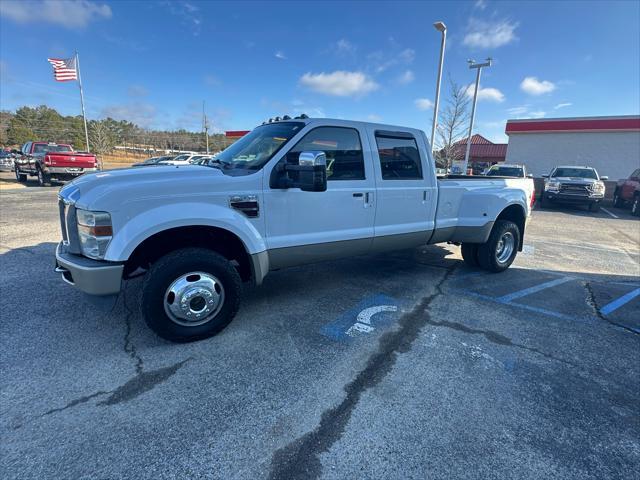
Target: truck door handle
358 195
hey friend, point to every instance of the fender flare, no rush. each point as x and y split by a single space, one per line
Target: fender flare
146 224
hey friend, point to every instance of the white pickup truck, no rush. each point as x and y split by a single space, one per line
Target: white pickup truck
288 193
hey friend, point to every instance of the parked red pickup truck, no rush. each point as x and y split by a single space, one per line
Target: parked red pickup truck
52 161
628 192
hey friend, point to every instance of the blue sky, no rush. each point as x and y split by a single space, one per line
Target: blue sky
154 62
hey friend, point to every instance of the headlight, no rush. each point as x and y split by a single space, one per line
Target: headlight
552 185
95 232
597 188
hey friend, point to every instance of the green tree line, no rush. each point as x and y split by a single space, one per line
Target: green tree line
46 124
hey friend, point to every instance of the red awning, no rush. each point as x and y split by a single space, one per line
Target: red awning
574 125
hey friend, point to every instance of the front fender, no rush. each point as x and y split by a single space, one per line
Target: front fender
131 232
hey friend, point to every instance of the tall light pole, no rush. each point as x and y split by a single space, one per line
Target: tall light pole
478 67
441 27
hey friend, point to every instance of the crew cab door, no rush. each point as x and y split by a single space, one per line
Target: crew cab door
406 189
303 227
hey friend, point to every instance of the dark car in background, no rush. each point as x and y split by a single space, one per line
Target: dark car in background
627 192
573 185
153 161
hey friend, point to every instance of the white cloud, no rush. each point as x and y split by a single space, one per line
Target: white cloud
344 46
538 114
280 54
562 105
481 34
381 61
374 118
533 86
67 13
339 83
480 4
486 93
518 110
407 55
137 91
423 103
142 114
406 78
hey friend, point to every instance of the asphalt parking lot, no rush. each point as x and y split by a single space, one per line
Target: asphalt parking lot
403 365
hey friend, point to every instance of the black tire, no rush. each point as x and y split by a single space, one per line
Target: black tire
635 206
21 177
470 254
488 254
617 201
43 178
594 207
171 267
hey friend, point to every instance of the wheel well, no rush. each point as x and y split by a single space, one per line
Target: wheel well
515 214
219 240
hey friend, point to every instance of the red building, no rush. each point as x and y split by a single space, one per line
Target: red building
483 153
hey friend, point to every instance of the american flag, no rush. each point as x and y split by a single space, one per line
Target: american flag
64 70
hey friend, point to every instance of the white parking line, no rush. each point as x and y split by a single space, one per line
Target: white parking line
607 211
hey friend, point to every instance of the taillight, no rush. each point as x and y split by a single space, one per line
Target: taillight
47 161
533 199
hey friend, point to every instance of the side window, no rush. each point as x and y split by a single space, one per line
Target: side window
399 157
26 147
342 147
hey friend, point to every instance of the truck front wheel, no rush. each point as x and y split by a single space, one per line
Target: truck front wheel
500 250
21 177
190 294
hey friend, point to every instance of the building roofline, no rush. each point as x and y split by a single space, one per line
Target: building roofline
560 119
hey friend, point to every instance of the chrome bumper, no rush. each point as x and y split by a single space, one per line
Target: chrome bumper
68 170
91 276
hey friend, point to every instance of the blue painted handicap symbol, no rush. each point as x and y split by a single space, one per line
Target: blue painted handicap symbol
370 314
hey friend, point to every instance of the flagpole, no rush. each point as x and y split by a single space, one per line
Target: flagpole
84 117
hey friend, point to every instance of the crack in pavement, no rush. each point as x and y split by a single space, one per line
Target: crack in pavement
129 347
496 338
300 458
75 402
592 302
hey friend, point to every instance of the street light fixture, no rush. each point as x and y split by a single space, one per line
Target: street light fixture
478 67
441 27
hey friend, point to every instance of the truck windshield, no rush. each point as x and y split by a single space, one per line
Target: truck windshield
575 172
45 148
257 147
505 172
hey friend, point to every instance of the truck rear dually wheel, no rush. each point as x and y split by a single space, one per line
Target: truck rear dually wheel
190 294
635 206
470 254
500 250
43 178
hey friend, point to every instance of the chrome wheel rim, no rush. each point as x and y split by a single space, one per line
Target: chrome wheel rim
634 207
505 247
193 299
40 177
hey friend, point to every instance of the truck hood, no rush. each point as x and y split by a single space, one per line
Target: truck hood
575 180
109 190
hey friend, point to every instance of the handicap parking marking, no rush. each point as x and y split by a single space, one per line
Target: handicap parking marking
370 314
619 302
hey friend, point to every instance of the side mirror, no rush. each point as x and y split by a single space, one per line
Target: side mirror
309 174
545 176
604 177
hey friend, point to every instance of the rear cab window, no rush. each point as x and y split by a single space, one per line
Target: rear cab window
399 156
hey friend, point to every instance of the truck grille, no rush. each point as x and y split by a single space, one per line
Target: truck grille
68 226
574 189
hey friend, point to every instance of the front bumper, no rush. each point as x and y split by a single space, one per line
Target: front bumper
572 197
91 276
